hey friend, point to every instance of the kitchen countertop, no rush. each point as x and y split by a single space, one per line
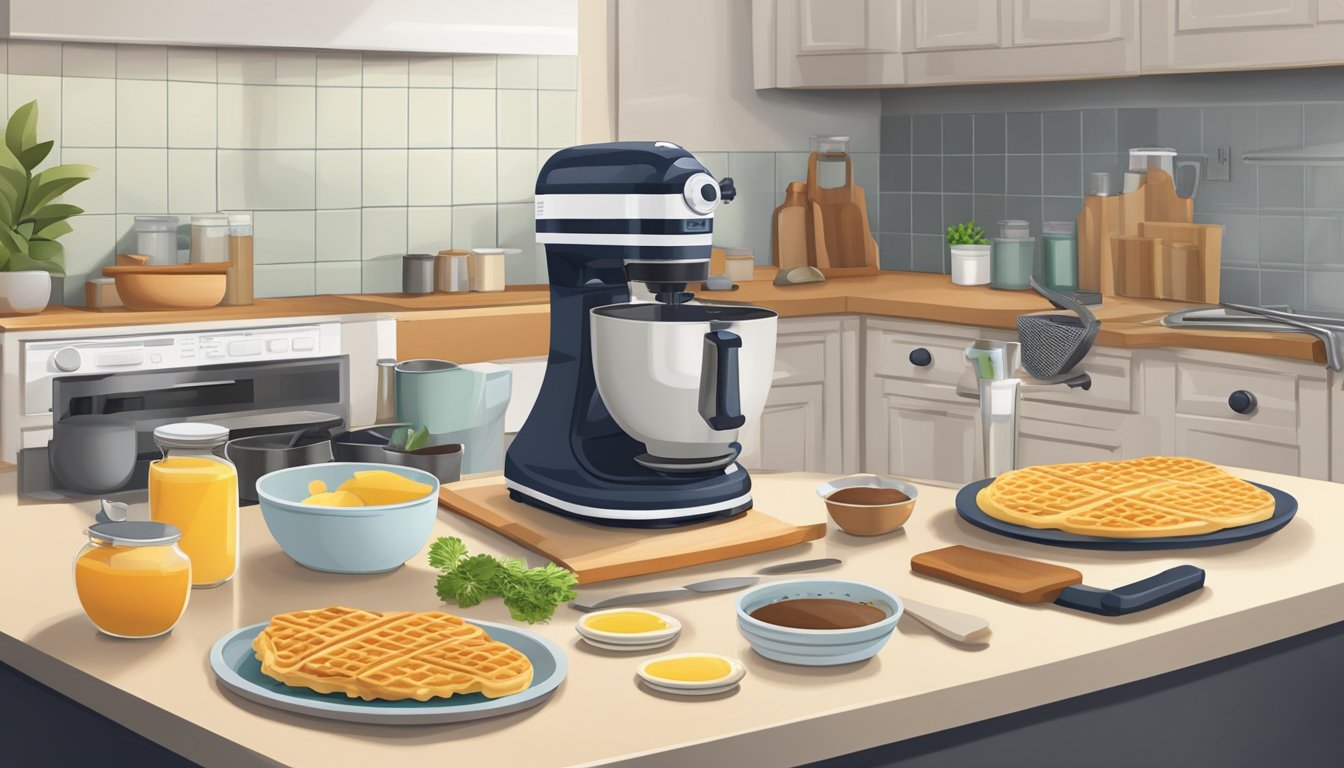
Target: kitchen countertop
1257 592
1126 322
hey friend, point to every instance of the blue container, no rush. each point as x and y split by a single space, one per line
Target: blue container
817 647
345 539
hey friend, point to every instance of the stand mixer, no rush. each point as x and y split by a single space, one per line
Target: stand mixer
637 419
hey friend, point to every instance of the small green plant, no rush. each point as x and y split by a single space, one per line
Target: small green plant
408 439
966 234
29 221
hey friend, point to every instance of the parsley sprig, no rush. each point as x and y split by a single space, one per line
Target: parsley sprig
530 594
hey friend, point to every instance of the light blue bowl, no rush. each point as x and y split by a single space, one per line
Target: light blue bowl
345 539
817 647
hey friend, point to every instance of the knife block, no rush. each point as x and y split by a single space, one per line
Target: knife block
1144 244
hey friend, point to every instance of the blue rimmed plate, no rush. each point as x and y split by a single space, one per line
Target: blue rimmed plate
237 669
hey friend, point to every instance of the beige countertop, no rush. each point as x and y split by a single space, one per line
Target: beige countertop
493 326
1258 592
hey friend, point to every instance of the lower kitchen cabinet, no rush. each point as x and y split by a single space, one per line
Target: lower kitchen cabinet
810 422
922 439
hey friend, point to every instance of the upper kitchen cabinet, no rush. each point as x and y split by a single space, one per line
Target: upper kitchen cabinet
927 42
450 26
1207 35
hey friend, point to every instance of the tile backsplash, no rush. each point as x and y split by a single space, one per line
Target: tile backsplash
347 160
1284 237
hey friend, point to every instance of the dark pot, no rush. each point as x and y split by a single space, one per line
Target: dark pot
366 444
261 454
441 461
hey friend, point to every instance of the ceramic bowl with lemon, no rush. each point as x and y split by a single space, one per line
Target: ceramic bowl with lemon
349 517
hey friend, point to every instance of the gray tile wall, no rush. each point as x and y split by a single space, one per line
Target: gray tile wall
347 160
1284 238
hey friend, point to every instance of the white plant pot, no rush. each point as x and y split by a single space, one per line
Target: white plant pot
970 264
25 292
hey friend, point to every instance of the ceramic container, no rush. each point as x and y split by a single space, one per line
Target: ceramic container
156 237
817 647
25 292
868 516
970 264
370 539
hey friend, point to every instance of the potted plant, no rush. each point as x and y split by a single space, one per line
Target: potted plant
30 222
970 254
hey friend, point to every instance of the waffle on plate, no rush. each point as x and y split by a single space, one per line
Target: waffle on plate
389 656
1138 498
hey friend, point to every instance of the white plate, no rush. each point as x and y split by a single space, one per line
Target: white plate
689 691
656 637
735 673
628 648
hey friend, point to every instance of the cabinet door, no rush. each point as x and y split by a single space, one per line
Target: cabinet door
1055 22
820 43
942 24
828 26
922 439
792 432
1194 35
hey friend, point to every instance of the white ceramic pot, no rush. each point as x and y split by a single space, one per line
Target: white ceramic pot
683 379
970 264
25 292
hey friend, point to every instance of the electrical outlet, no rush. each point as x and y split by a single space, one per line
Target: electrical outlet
1219 165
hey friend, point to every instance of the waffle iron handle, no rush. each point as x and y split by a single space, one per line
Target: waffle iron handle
1131 598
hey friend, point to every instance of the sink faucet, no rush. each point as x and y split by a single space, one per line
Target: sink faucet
994 375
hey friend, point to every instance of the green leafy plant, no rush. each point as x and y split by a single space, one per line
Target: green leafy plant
30 221
530 594
966 234
408 439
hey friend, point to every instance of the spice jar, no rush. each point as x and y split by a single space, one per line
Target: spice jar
209 238
1012 256
196 489
1059 255
132 578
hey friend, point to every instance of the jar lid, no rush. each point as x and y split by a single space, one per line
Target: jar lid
190 434
209 220
239 218
1058 227
135 534
155 222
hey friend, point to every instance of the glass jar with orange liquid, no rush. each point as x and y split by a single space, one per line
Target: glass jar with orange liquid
132 578
196 489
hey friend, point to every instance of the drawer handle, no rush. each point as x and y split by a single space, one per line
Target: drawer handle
920 357
1241 401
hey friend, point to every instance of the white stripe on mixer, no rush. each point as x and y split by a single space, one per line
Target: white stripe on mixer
583 238
672 206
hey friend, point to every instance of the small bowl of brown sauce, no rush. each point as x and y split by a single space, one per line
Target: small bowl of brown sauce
869 505
818 622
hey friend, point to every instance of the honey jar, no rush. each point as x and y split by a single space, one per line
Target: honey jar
132 578
196 489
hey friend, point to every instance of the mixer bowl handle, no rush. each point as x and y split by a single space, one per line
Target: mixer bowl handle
720 396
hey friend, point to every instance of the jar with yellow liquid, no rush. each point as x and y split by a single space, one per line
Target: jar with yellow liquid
196 489
132 578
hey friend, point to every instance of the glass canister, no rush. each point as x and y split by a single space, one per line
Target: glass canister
132 578
1059 254
196 489
1012 256
209 238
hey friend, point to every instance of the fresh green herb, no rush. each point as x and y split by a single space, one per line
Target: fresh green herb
530 594
418 439
966 234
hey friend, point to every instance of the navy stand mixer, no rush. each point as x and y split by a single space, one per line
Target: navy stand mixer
637 419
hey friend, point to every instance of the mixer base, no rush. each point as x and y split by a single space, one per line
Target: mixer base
660 464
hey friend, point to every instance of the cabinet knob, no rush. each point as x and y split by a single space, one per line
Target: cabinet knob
1241 401
920 357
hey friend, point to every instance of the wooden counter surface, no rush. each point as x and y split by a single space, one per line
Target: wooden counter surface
477 335
1258 592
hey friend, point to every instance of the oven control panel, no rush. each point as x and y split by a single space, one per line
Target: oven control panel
46 360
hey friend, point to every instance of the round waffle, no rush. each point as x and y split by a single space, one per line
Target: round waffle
389 656
1150 497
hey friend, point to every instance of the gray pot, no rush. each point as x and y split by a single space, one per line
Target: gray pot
261 454
366 444
92 453
441 461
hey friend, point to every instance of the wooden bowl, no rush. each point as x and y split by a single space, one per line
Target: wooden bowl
869 505
181 286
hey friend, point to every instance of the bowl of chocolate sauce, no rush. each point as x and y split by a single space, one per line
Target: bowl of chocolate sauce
869 505
818 622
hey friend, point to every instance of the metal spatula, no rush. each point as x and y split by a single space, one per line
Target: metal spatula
1052 345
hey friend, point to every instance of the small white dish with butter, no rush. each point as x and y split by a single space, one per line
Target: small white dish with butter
691 674
628 629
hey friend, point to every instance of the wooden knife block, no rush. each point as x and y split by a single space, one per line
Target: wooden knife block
1144 244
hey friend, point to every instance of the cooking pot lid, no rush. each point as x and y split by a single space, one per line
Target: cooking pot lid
135 534
656 312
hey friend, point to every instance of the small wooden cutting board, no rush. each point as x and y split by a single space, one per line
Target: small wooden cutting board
597 553
1012 578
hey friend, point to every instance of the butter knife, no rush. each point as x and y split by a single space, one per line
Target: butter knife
724 584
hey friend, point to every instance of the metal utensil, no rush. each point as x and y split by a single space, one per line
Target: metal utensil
1053 345
1331 337
954 625
723 584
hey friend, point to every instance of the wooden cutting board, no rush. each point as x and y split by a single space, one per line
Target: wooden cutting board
1012 578
842 243
597 553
